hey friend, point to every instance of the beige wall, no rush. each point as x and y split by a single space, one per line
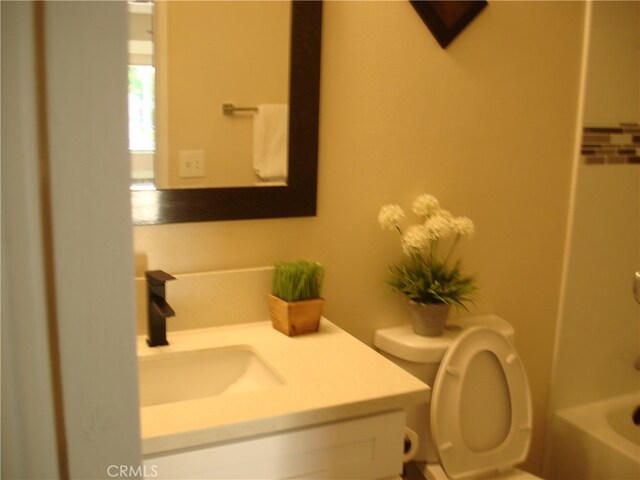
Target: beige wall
486 125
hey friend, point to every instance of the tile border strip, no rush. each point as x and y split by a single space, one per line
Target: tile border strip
607 145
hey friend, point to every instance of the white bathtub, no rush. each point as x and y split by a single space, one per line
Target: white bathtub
597 441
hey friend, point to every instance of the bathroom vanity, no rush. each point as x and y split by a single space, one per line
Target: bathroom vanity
245 401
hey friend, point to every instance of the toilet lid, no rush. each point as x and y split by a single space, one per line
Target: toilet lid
481 391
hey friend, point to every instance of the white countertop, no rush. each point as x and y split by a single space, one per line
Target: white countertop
329 376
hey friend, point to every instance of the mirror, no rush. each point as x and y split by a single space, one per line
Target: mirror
296 197
141 95
214 53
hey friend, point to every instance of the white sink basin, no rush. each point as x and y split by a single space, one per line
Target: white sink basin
174 377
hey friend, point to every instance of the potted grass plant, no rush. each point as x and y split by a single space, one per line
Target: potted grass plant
427 275
295 304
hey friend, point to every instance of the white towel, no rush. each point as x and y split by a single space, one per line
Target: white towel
271 141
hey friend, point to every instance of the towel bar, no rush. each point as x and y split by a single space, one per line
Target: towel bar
230 109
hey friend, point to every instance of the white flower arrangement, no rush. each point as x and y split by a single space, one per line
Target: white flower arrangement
422 276
390 216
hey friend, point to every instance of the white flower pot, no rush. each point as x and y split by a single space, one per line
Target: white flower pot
428 319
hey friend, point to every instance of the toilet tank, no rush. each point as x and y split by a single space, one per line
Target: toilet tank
420 355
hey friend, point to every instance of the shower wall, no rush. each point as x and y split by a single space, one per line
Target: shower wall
613 79
600 322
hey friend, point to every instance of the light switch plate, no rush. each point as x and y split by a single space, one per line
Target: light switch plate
191 163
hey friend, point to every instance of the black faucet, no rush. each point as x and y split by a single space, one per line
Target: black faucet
157 308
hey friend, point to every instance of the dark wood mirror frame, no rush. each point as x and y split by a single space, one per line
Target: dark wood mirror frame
298 198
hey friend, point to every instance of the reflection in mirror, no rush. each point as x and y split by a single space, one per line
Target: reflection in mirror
292 191
209 54
141 95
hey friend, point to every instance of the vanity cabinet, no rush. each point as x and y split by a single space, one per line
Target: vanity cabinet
369 447
336 408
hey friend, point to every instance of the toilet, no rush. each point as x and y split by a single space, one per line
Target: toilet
478 421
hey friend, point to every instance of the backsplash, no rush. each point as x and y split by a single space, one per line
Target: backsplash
211 299
611 145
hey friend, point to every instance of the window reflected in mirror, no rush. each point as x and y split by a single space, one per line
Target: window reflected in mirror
141 96
141 128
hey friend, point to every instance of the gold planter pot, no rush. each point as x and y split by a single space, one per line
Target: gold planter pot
295 318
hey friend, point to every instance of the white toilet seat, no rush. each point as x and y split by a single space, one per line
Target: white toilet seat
456 458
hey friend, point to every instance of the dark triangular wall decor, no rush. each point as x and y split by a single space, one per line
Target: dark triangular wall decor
446 19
